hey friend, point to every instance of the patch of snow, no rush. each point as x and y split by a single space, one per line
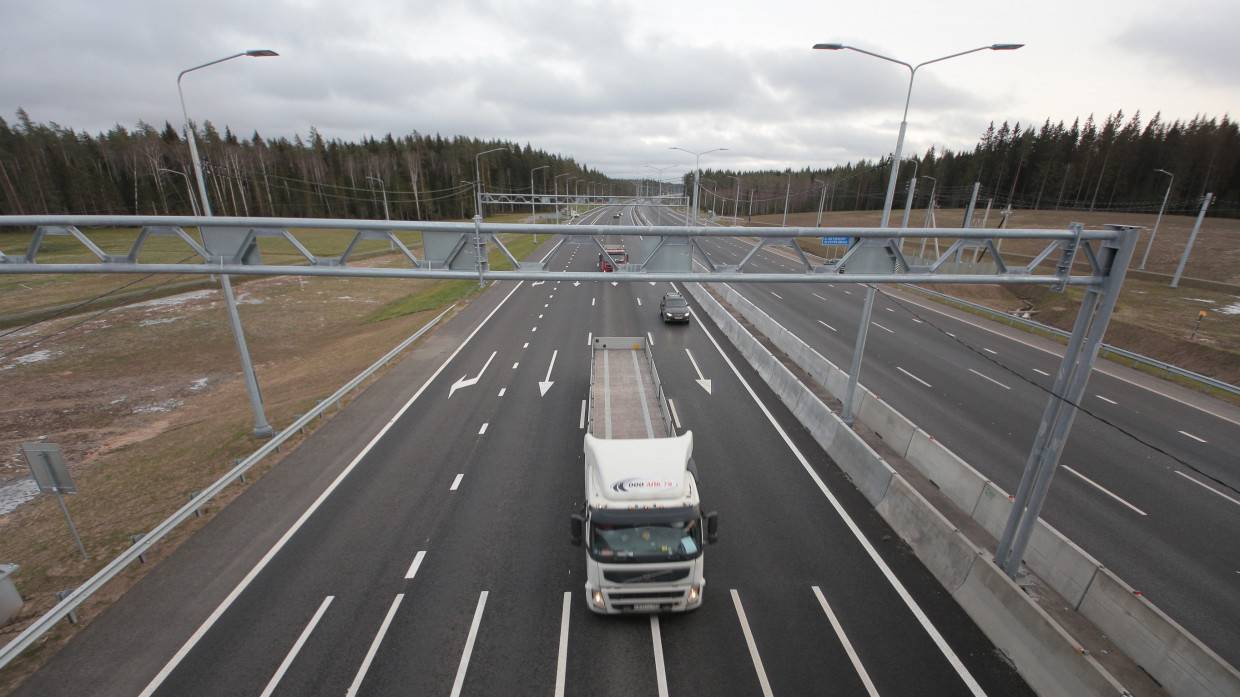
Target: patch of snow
244 299
1232 309
118 401
1201 300
158 407
36 357
175 300
198 384
166 320
16 493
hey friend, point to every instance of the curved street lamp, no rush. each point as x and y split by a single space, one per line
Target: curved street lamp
697 174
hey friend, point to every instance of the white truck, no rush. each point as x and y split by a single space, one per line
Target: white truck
642 523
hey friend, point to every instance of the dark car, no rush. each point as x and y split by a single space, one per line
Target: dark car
674 308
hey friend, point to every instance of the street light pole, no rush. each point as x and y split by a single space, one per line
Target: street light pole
736 203
1192 237
697 174
1150 244
262 429
929 212
478 180
555 182
189 187
533 213
868 307
383 187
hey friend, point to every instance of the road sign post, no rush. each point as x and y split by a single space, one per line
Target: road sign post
47 466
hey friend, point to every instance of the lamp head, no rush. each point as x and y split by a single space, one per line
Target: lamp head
829 47
260 53
1005 47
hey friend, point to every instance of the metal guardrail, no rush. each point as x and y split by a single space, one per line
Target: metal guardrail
124 559
1123 353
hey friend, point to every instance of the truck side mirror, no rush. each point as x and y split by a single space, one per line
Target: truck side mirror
578 524
712 527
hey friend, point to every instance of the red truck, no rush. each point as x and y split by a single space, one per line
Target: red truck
618 253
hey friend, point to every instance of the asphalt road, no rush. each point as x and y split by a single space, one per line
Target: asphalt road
435 558
1168 529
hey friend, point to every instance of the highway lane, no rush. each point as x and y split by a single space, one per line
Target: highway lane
1133 508
440 563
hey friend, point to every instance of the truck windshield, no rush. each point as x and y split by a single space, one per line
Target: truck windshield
625 543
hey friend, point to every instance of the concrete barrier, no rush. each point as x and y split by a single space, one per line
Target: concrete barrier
1175 658
945 552
1045 655
10 599
890 425
952 475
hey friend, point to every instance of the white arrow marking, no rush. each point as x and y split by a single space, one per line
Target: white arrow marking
651 282
700 380
613 284
463 382
576 283
537 283
547 383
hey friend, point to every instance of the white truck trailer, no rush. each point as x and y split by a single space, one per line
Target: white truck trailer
642 523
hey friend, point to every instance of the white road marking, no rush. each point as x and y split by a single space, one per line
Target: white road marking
888 309
1199 440
534 329
660 671
581 421
950 334
469 646
987 377
1104 490
502 390
483 430
374 647
990 351
589 338
753 648
253 573
882 327
1041 372
456 483
818 296
540 317
675 417
514 365
525 345
650 338
301 640
546 305
704 383
827 326
592 301
962 671
417 563
902 370
848 647
1207 486
470 382
547 382
848 292
561 660
777 295
915 320
1108 401
639 302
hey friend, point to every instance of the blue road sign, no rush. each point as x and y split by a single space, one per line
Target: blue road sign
836 241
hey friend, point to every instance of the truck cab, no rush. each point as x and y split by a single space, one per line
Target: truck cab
618 254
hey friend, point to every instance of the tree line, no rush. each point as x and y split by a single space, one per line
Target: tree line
1092 166
46 168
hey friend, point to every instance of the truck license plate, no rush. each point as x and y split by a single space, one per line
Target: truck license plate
646 607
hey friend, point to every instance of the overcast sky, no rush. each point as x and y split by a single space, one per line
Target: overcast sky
615 84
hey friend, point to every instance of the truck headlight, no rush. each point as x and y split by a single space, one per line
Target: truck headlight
694 592
597 597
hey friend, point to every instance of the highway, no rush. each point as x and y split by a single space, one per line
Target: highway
429 554
1165 528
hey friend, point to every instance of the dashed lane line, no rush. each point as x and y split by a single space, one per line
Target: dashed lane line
987 377
848 647
301 641
561 660
1199 440
374 647
1108 401
828 326
1207 486
753 647
415 565
456 483
1105 490
1041 372
902 370
581 421
889 331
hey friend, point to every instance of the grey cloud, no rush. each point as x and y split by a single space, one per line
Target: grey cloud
1196 42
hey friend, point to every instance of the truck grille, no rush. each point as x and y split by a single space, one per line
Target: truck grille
668 576
645 600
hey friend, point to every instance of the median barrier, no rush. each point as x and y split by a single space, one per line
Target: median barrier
1043 653
947 471
1175 658
890 425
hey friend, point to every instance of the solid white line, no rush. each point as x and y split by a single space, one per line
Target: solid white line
1041 372
1104 490
590 339
483 430
985 377
818 296
650 338
902 370
220 609
1207 486
561 660
777 295
639 302
502 390
301 640
990 351
895 583
374 647
753 648
675 417
848 647
469 646
1199 440
827 326
882 327
581 421
456 483
660 671
1108 401
415 565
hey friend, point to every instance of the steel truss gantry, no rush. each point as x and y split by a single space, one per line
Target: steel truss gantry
525 199
459 250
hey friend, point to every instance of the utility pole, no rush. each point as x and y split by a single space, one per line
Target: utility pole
1153 233
750 205
822 201
1192 237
